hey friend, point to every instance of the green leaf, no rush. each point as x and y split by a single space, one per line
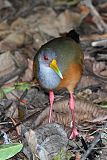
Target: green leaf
9 150
62 155
4 90
1 94
104 105
22 86
8 89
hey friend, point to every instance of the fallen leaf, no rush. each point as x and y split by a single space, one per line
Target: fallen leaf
14 40
28 75
9 150
68 19
84 112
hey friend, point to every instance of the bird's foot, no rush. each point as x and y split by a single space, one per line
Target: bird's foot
74 133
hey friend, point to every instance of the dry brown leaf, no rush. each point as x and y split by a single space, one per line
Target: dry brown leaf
89 63
32 140
12 41
104 73
98 67
19 25
87 81
85 94
65 2
4 33
68 19
11 65
49 25
101 95
12 111
39 40
84 112
4 26
93 37
7 64
28 75
44 21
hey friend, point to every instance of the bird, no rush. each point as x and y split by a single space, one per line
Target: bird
58 64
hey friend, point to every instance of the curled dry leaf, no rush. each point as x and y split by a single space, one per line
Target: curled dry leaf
84 112
98 67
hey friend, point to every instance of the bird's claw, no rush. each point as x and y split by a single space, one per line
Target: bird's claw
74 134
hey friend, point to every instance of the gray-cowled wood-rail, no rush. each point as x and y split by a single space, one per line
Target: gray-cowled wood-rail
59 64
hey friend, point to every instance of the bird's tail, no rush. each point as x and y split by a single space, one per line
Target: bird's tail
74 35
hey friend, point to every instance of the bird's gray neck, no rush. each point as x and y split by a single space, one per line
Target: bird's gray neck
48 78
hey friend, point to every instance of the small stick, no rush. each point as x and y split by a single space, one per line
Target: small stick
100 43
86 154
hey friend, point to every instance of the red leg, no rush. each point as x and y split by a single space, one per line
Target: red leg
74 132
51 97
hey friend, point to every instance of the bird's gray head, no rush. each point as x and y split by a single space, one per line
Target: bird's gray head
48 74
46 56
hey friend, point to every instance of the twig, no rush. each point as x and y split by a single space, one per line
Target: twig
101 43
101 25
93 37
86 154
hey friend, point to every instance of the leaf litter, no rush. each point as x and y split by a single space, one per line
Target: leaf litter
24 27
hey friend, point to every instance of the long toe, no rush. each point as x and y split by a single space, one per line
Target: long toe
74 133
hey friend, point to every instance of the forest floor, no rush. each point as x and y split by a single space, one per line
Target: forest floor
26 25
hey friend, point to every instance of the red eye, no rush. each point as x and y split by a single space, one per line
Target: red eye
45 57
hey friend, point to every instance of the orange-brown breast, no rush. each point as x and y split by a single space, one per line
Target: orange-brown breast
71 77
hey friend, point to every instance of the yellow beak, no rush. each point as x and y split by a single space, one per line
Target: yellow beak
54 66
